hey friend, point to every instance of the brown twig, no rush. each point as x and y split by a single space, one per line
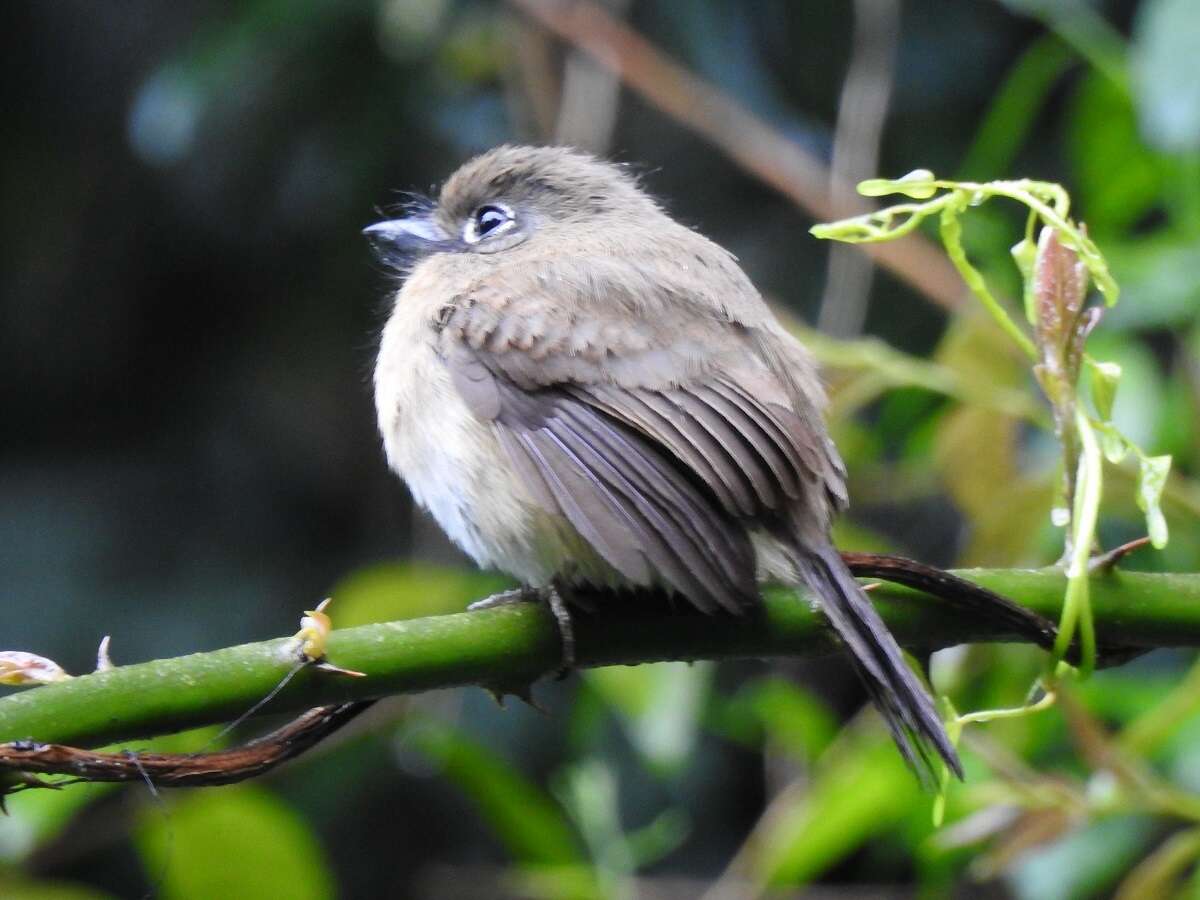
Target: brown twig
955 591
975 600
182 769
748 140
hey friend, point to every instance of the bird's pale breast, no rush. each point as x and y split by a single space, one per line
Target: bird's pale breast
454 467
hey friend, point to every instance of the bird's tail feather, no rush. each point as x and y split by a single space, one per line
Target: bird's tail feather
897 692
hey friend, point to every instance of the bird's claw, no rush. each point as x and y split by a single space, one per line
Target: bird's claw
552 596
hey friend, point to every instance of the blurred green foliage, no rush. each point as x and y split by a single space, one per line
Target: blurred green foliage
731 776
237 841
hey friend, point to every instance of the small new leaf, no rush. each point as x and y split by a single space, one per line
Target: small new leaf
1152 478
1097 266
1060 288
882 225
1106 376
1024 254
918 184
1113 444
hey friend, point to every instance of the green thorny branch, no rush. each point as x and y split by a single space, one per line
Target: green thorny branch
1056 260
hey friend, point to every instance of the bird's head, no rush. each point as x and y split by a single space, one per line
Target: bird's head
510 196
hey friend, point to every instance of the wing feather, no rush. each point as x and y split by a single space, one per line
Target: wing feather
758 440
652 439
640 512
732 443
704 539
633 408
589 507
669 531
736 481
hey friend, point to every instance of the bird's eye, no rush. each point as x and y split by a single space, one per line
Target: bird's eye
487 220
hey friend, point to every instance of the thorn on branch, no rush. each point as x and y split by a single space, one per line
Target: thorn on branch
1104 563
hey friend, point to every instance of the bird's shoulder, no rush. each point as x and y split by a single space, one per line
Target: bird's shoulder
646 313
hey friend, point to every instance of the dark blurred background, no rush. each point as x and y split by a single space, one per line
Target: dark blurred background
189 456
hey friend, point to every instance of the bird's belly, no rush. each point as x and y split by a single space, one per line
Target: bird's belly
456 469
441 451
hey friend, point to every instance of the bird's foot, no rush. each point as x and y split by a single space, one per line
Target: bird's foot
566 629
507 598
552 596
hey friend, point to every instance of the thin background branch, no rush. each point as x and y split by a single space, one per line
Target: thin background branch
590 97
861 115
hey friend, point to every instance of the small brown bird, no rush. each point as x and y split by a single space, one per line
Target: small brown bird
582 391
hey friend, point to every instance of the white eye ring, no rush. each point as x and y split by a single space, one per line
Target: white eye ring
488 220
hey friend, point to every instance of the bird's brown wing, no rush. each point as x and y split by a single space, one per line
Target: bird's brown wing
659 443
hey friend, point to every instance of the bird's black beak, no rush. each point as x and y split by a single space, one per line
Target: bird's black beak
402 242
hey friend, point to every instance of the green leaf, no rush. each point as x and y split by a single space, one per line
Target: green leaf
1106 376
1138 406
949 716
794 719
1152 478
1024 254
861 789
1112 443
239 841
883 225
918 184
555 883
1118 180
